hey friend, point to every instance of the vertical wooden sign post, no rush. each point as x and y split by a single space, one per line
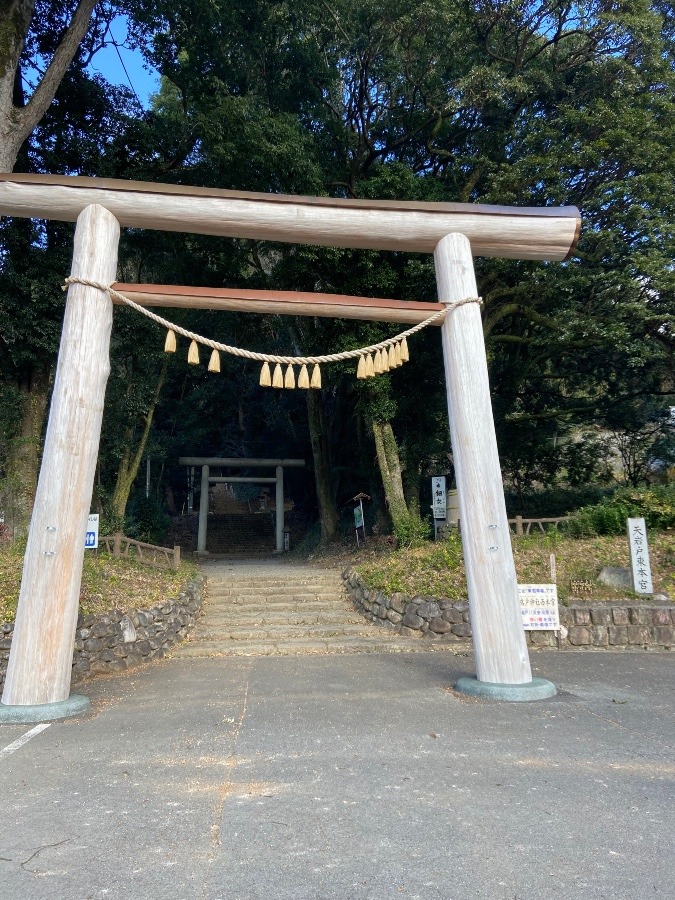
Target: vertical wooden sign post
502 662
37 685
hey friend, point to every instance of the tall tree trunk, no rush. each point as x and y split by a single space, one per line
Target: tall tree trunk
23 456
328 515
390 468
17 122
131 460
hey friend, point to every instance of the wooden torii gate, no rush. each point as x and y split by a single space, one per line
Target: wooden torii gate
207 462
37 683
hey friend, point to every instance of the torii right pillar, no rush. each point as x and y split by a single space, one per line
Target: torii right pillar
502 662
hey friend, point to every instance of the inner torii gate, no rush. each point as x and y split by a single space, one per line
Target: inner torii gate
37 684
207 462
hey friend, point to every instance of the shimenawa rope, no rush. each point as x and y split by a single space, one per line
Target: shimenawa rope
399 341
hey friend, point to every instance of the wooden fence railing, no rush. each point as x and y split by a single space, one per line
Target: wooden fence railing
519 525
148 554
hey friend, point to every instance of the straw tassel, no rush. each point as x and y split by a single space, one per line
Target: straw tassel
303 378
384 356
377 364
316 377
170 342
265 375
370 366
399 361
214 362
278 377
193 354
405 356
392 356
289 380
361 370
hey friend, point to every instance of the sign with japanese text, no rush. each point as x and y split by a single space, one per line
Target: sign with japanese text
438 502
91 537
539 607
639 556
358 516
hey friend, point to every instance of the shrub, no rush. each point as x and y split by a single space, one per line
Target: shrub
655 504
411 531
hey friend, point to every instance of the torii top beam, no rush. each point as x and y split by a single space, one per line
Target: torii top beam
501 231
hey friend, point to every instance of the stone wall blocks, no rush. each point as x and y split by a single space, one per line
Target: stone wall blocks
5 643
580 636
582 617
599 636
665 635
640 616
462 630
661 617
93 645
542 638
566 616
640 634
618 635
601 616
394 617
411 620
439 625
620 616
398 603
466 616
453 616
429 609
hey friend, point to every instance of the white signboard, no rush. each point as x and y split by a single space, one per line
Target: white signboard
539 607
438 496
358 516
91 537
639 557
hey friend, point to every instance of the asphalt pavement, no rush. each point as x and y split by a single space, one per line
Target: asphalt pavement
339 777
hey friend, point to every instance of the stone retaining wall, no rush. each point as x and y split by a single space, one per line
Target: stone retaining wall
117 640
617 623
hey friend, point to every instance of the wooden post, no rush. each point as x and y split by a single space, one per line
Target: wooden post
117 544
203 511
280 508
498 636
519 524
176 556
41 657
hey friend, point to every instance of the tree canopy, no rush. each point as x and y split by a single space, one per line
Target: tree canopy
531 104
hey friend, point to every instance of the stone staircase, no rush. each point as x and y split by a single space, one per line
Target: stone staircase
265 608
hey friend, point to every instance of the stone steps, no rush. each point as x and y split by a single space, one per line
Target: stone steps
285 611
377 643
275 632
298 616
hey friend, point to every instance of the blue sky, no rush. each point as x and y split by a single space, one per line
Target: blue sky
112 64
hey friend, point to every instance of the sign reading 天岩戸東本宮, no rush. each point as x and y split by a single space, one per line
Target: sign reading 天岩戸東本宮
539 607
438 501
91 537
639 556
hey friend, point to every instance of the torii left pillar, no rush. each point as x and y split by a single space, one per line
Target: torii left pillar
37 684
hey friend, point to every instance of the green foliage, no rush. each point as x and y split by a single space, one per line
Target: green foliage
433 568
411 531
147 520
655 504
